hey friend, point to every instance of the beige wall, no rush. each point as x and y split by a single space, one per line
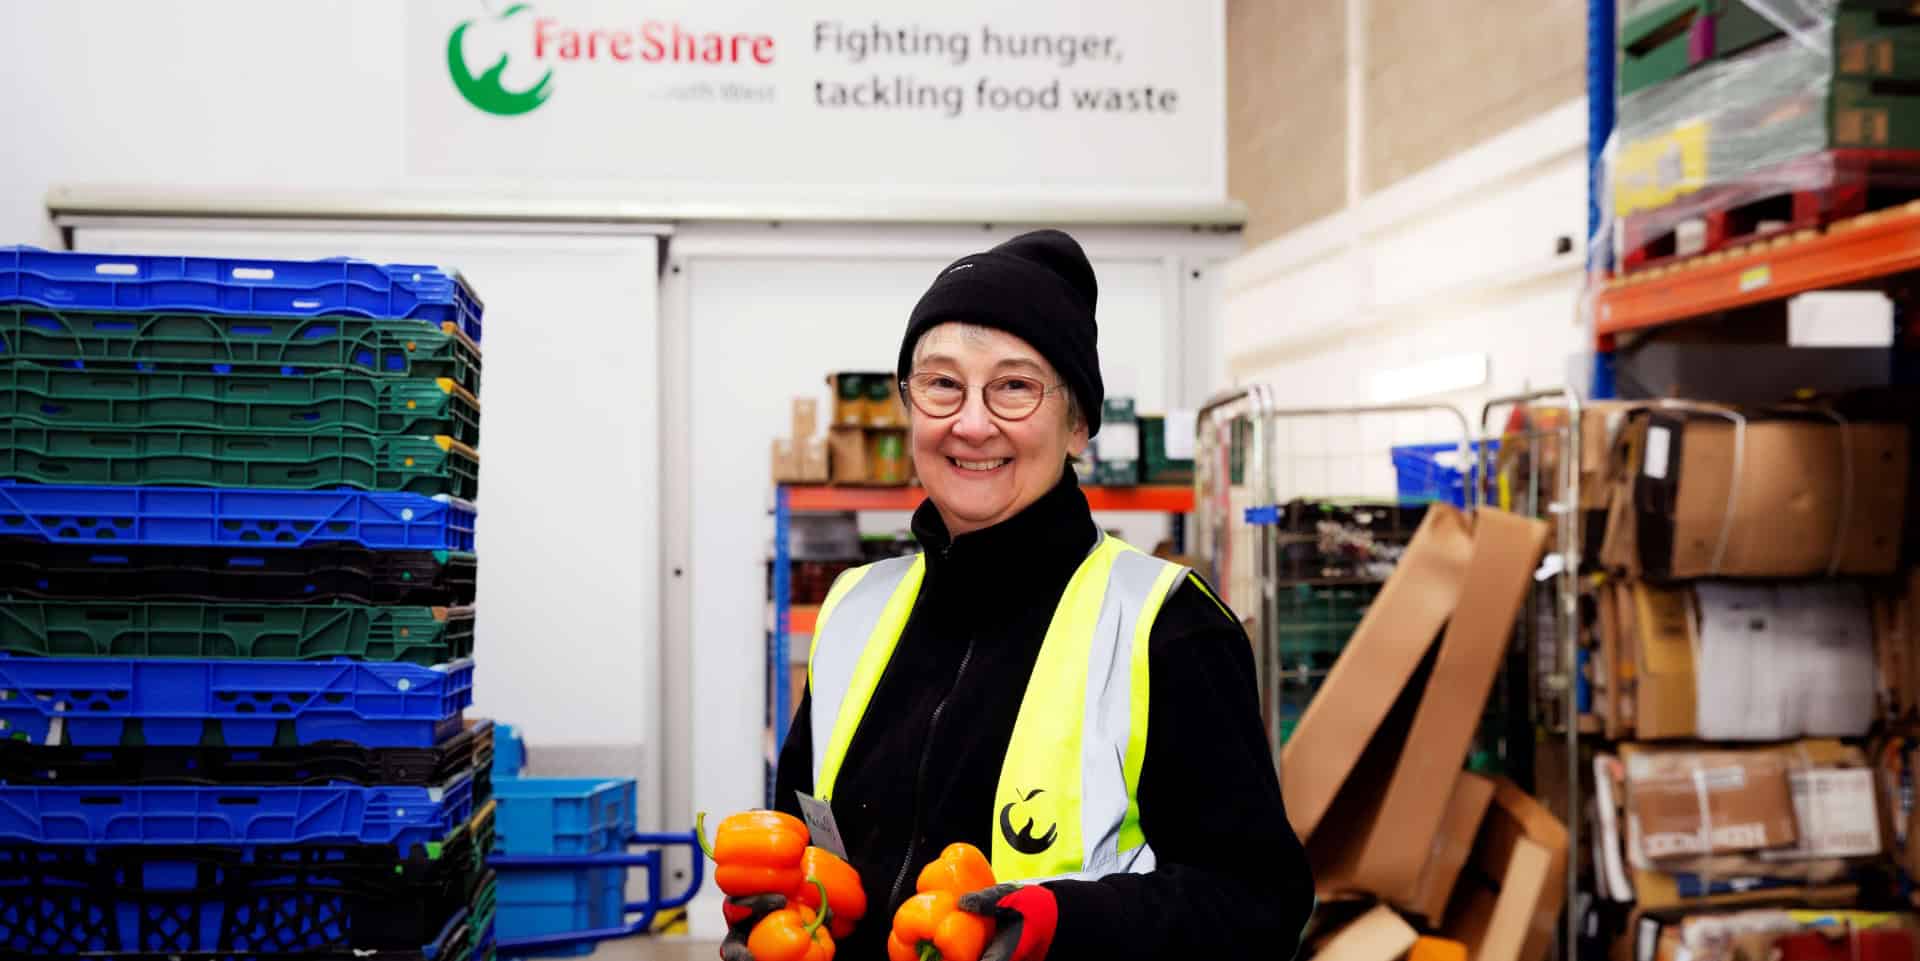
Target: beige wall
1286 111
1437 76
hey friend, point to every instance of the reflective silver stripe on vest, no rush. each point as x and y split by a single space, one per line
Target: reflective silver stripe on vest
837 646
1108 722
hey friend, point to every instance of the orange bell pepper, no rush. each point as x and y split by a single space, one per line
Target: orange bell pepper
792 934
961 868
756 852
931 927
846 898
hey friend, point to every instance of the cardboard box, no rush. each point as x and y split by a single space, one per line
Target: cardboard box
847 455
1378 935
1785 497
785 465
1386 836
1492 917
806 418
1659 624
1600 423
1613 681
1685 804
1784 660
813 462
1896 634
1379 661
1519 840
1452 847
1724 661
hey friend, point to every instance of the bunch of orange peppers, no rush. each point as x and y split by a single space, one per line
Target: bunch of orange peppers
930 925
767 852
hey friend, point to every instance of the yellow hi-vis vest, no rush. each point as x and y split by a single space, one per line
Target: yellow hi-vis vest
1065 805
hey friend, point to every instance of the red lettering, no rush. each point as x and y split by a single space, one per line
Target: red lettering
657 41
652 50
540 27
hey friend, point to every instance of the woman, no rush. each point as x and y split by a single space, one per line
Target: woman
1082 712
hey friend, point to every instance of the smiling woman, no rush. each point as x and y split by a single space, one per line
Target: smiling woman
1080 710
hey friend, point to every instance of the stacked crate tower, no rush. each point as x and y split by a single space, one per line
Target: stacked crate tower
236 622
1744 120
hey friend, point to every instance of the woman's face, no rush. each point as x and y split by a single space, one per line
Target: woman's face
980 468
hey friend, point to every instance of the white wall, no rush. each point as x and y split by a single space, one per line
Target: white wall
1459 259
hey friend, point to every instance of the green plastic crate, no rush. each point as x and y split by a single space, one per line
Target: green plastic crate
1315 621
200 342
287 632
1155 466
1866 38
251 403
417 465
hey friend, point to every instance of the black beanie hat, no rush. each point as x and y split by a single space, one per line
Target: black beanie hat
1038 287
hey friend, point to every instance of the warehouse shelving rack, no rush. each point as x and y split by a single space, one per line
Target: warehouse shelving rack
1243 452
790 620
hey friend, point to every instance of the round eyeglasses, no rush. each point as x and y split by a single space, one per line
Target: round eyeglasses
1009 397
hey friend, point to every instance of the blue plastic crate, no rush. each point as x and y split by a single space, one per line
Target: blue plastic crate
536 903
542 815
107 702
219 517
329 814
1432 472
281 288
509 752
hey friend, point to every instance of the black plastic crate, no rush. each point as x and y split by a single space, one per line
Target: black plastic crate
1334 543
333 572
39 764
58 901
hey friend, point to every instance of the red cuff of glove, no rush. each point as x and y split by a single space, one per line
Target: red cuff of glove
1039 914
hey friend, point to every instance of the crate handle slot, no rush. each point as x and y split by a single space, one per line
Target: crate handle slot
238 800
306 304
253 273
103 800
117 270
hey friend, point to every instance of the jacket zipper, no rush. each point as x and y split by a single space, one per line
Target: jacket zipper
920 777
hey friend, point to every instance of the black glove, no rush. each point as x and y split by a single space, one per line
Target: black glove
1024 916
734 947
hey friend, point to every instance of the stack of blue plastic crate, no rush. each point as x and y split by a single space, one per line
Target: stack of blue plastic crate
236 622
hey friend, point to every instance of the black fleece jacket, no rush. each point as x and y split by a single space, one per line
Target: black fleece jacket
1232 879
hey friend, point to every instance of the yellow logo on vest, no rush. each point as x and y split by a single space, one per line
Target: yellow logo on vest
1024 841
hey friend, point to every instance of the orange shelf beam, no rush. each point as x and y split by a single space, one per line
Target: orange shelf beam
1157 499
1848 252
801 618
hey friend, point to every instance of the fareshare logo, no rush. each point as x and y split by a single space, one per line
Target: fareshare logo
486 91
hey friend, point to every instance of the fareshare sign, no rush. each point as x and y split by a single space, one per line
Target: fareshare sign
1115 100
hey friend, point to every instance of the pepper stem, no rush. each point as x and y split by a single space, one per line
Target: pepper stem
820 917
928 952
700 833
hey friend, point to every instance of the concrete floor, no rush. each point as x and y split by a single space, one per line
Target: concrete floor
657 948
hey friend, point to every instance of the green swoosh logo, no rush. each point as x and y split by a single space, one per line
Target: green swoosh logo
485 90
